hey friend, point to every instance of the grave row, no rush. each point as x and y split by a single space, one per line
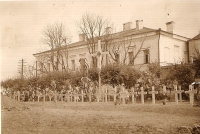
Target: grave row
104 96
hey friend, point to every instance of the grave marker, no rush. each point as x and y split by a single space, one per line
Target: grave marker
82 94
142 93
164 90
50 94
61 95
90 97
55 96
33 95
176 94
110 90
97 94
123 96
133 95
180 93
44 95
153 92
105 95
103 89
23 96
191 94
76 97
18 95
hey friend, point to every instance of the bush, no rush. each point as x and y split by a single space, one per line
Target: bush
182 73
110 75
115 74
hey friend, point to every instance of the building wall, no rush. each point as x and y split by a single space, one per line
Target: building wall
172 50
150 43
164 49
77 53
192 45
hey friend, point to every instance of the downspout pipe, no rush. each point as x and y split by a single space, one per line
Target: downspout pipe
159 45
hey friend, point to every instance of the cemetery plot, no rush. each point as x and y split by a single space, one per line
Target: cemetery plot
116 95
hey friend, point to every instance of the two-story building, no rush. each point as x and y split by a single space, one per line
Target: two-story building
135 45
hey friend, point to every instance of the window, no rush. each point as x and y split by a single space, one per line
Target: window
176 53
130 56
104 46
186 56
41 66
94 61
146 56
73 64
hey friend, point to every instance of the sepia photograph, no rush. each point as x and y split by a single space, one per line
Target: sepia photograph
100 67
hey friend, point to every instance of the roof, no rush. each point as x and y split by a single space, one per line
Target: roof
115 35
196 37
134 32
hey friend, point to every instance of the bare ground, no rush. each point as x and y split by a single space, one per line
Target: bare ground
96 118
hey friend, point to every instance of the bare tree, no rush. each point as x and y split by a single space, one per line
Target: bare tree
96 27
127 47
93 27
55 37
196 61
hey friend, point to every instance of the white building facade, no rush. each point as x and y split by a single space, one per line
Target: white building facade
137 46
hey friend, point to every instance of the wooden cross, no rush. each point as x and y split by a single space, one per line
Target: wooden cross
97 94
44 95
82 94
61 95
179 91
153 92
105 94
22 95
176 94
99 54
164 90
55 96
133 93
114 94
123 95
76 97
67 96
142 94
50 94
27 94
18 95
33 95
90 97
110 90
191 93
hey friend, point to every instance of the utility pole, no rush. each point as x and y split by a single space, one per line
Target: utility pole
22 67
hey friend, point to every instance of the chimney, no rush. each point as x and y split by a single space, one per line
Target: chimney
139 24
170 26
127 26
108 30
82 37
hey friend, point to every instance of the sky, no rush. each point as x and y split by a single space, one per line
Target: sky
22 22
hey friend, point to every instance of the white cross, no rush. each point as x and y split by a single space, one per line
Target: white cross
99 58
99 54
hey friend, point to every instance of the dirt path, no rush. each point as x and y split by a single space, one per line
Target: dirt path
56 118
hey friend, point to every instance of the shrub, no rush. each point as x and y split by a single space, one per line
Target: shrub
110 74
182 73
129 76
115 74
